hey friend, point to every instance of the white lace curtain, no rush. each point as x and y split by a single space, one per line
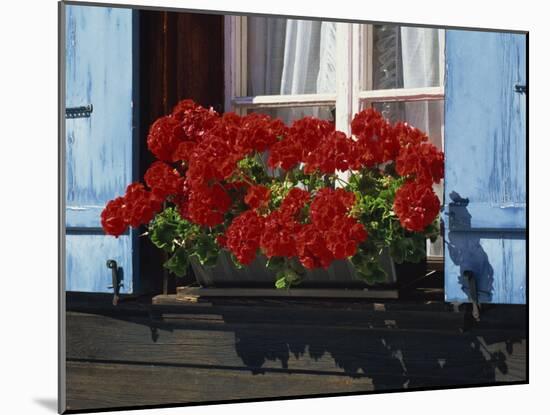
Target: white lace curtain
291 57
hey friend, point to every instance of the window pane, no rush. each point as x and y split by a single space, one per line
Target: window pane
405 57
288 56
288 115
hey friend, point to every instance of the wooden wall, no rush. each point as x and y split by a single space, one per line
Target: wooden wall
181 56
233 349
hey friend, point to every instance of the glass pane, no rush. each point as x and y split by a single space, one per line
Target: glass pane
289 56
405 57
428 117
288 115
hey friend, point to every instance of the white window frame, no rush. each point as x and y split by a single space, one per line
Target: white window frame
353 70
354 77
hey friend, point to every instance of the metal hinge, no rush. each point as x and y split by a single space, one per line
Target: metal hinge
79 112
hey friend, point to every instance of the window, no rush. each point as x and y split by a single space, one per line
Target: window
290 68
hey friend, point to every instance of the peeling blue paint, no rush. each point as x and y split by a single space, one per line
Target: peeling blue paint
99 71
485 164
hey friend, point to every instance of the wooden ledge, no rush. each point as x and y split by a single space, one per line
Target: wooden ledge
192 294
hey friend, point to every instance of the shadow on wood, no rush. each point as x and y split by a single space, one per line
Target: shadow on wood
231 349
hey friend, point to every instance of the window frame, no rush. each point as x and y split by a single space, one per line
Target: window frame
353 69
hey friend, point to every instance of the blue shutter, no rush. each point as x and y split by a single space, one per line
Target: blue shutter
100 153
485 166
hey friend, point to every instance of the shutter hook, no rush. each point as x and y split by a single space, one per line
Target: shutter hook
111 263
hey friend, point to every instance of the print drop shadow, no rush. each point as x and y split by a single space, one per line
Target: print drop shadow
465 249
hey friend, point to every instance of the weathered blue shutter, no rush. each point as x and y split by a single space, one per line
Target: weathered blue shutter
485 165
100 154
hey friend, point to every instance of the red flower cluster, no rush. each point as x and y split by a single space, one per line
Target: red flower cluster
136 207
422 161
328 205
208 148
376 139
282 226
407 134
333 153
198 152
332 233
279 235
302 138
258 132
294 201
416 205
257 196
164 180
187 124
243 236
207 205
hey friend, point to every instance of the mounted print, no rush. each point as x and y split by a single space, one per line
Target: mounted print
273 207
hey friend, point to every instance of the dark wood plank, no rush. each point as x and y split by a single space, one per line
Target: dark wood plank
194 293
234 348
103 385
200 340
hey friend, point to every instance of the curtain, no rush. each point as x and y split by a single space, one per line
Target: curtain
287 56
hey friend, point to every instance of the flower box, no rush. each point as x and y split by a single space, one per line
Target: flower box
340 274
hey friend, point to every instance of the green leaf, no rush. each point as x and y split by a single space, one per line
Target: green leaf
286 278
178 263
281 283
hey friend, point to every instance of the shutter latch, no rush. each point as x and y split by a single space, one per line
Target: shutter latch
111 263
520 89
472 293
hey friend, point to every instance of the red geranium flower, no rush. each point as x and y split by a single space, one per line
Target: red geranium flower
407 134
163 180
344 235
333 153
257 196
164 138
279 235
112 217
243 236
312 248
301 139
140 205
195 120
416 205
422 161
294 201
376 141
258 132
329 204
208 204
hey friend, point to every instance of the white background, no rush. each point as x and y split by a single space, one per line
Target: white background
28 204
